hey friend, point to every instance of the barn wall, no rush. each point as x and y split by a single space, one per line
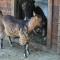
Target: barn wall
58 46
7 7
56 26
49 25
55 17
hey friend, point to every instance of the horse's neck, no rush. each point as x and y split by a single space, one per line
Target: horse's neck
32 23
30 26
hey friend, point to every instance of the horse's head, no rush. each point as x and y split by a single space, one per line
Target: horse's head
39 11
34 23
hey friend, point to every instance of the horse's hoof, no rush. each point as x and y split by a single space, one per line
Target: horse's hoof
45 38
25 56
1 48
28 53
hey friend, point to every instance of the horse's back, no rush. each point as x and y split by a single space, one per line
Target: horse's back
12 19
9 18
12 22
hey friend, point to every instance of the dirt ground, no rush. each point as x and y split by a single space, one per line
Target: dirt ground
16 53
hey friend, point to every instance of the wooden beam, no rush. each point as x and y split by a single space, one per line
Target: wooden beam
49 25
12 7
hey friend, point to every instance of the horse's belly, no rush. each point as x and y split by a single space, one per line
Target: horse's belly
12 32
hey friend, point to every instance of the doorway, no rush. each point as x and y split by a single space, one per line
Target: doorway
45 6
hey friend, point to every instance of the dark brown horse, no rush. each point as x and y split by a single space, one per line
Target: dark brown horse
12 27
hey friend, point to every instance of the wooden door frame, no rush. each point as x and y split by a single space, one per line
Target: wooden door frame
12 7
49 24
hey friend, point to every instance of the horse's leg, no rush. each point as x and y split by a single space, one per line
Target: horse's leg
10 41
26 50
44 33
2 43
45 37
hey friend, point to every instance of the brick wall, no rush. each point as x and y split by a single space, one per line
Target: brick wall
6 7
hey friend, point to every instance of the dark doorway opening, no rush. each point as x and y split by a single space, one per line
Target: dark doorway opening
18 12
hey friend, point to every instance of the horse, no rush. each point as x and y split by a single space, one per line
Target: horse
12 27
43 29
